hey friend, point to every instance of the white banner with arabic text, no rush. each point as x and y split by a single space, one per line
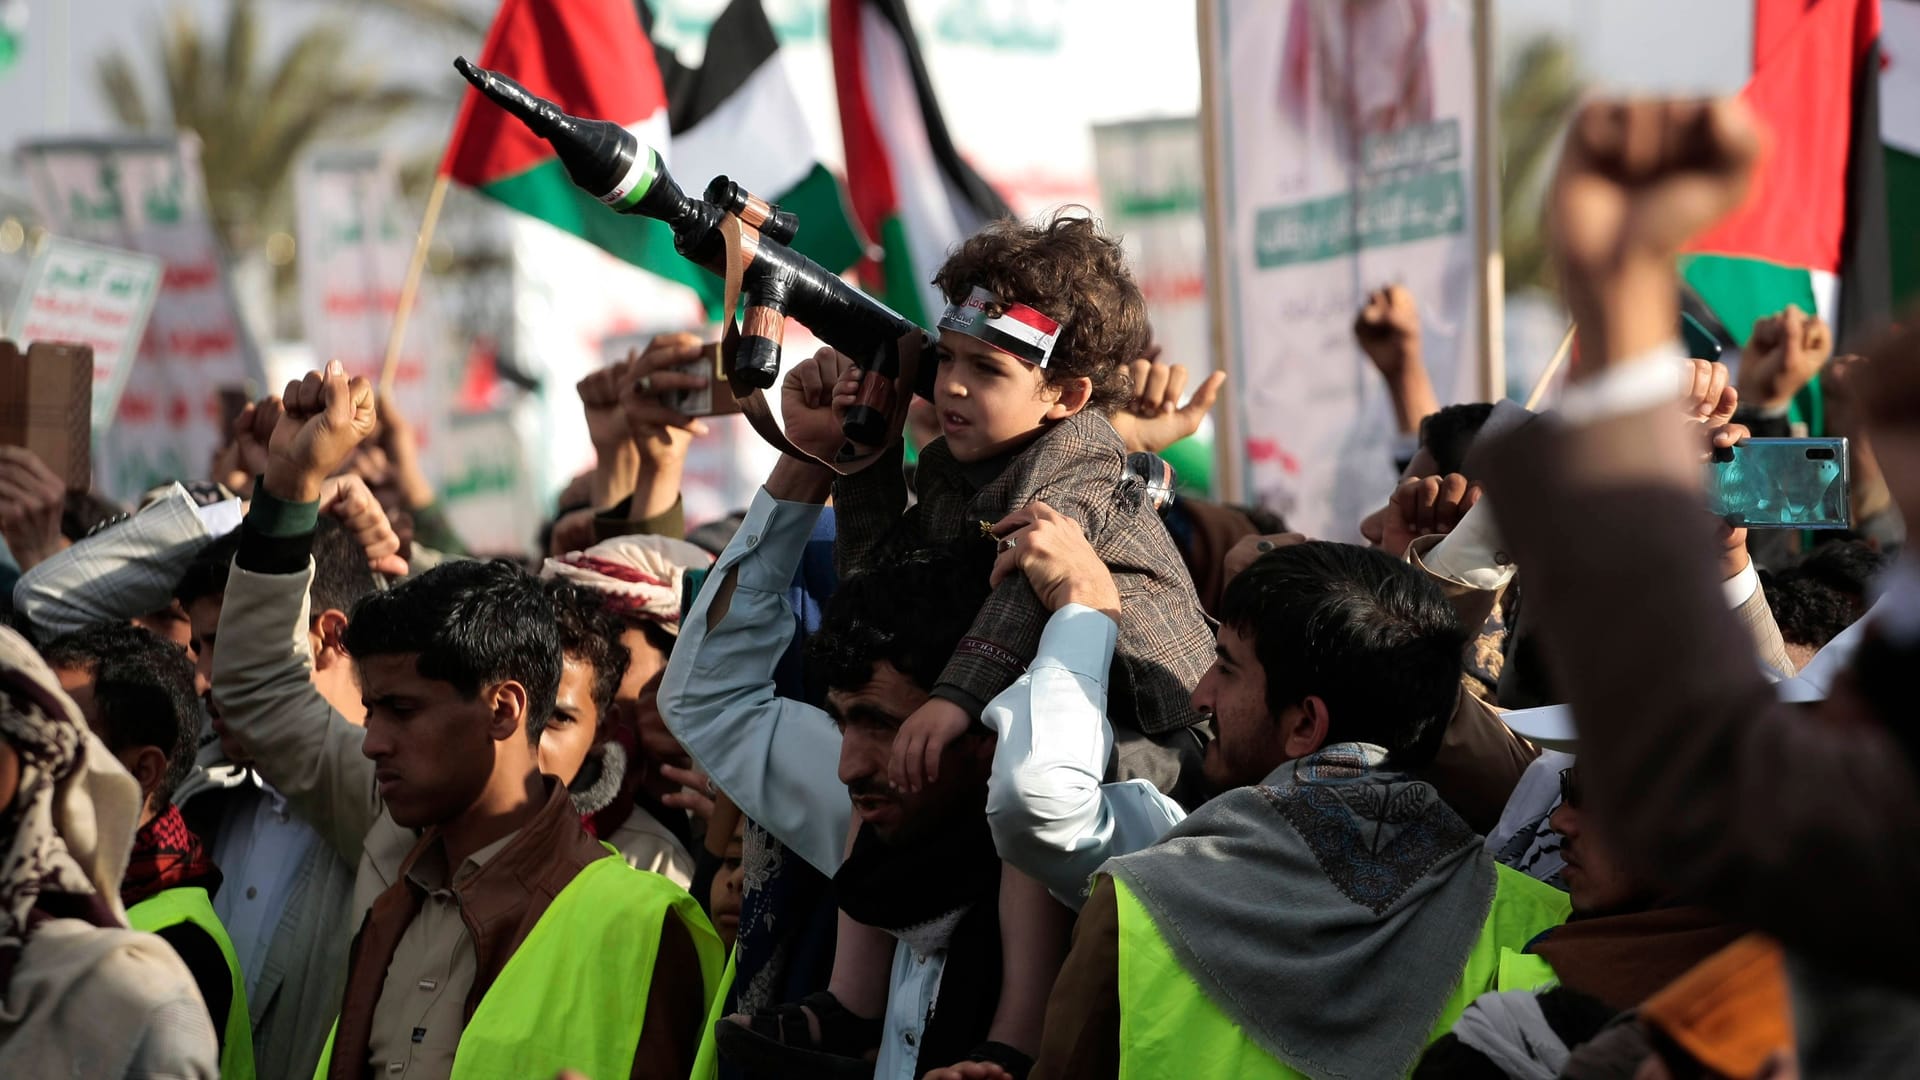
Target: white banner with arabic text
146 194
1346 163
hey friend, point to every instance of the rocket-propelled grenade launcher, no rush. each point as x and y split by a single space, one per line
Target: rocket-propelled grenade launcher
775 281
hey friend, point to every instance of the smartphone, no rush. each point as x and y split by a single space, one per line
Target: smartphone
1781 484
1700 342
715 398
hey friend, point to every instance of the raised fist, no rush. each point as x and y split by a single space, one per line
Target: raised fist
1423 506
1707 394
323 417
1388 329
1783 354
1639 178
251 431
807 402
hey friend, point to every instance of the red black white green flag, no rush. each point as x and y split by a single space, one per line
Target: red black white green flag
736 114
913 195
1814 230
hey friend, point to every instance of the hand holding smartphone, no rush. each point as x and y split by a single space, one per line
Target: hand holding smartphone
1781 484
715 398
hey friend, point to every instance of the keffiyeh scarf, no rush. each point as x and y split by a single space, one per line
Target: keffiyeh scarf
47 736
640 575
166 855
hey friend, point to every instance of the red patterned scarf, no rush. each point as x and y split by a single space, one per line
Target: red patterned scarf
166 855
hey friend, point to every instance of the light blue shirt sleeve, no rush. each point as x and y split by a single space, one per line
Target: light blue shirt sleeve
1050 815
777 759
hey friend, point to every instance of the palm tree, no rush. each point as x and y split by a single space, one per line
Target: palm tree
253 121
1538 97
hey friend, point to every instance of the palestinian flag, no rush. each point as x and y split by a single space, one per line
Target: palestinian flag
1813 232
1900 135
912 194
738 115
592 58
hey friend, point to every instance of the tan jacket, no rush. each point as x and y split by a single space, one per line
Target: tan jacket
263 686
311 753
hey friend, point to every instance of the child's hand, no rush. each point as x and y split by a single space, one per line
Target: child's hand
921 740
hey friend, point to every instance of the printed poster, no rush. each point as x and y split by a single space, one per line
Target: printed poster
146 194
356 239
1346 148
94 296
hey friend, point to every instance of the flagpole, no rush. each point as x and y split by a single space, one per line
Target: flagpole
1486 210
411 285
1227 441
1553 366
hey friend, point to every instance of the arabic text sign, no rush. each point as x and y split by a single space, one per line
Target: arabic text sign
356 238
147 195
93 296
1345 150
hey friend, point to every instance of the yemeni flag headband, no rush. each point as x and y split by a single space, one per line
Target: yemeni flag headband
1017 329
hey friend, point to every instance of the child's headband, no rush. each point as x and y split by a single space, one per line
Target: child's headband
1018 329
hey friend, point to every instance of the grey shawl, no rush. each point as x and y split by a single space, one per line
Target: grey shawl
1327 912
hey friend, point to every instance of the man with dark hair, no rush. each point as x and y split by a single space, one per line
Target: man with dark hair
1448 433
579 745
469 858
1335 674
1823 594
288 893
136 692
923 866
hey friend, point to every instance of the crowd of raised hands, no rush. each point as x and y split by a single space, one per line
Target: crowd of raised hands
1008 772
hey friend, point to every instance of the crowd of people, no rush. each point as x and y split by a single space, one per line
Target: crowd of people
997 758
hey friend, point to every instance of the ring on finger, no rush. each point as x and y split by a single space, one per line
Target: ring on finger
712 791
646 383
1008 543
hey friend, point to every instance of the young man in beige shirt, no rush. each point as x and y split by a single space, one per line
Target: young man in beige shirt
463 847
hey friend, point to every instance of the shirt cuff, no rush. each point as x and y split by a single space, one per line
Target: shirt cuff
769 544
1740 587
1472 553
1079 639
614 521
1650 379
967 702
277 536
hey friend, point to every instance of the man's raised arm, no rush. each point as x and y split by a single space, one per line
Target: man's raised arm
262 682
1711 786
777 759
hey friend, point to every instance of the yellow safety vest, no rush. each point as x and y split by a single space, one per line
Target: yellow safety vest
171 907
574 994
1524 971
706 1064
1169 1028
